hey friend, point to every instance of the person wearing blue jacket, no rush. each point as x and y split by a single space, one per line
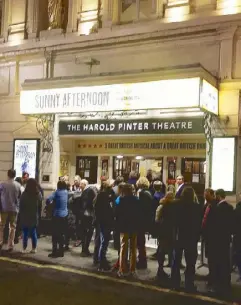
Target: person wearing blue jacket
59 200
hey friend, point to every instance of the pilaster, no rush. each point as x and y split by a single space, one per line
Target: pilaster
33 18
72 16
116 12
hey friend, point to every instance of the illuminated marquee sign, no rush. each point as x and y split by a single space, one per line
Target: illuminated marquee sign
163 94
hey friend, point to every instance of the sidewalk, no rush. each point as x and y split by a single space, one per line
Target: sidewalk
72 259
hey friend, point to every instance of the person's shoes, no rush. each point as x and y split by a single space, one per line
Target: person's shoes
53 255
77 243
33 251
24 251
10 249
133 275
162 276
85 254
141 265
154 256
104 268
60 254
120 274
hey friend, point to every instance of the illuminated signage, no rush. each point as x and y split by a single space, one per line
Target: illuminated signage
26 157
223 154
209 97
163 94
141 126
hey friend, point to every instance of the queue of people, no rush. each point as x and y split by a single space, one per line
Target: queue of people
127 212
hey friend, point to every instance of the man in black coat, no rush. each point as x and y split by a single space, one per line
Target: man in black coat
219 246
181 186
86 205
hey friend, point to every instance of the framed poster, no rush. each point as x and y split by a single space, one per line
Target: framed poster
26 157
223 163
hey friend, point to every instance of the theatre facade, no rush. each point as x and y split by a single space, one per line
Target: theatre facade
108 128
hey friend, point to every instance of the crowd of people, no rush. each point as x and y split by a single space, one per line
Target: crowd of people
127 212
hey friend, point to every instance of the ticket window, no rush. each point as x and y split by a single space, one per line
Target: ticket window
86 168
194 173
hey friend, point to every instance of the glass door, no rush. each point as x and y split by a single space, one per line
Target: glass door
86 168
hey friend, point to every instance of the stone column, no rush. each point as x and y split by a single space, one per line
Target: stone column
208 164
106 13
138 8
33 18
116 12
5 19
55 153
159 8
72 16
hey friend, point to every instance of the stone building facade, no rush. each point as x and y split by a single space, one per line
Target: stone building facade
68 43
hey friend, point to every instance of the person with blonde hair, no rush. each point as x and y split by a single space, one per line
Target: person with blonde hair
76 185
146 212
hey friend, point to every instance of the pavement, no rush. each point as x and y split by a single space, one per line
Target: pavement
73 263
22 283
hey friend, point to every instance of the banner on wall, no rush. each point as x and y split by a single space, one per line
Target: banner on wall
140 126
143 147
26 157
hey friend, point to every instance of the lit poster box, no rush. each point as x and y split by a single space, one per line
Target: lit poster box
223 163
26 157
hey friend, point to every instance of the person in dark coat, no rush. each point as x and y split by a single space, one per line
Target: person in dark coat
180 186
128 223
208 230
188 216
29 208
237 237
219 247
165 232
146 214
104 221
86 203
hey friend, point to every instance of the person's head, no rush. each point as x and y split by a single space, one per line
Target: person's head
188 195
220 194
180 180
127 190
157 185
119 180
61 185
209 195
83 184
32 187
11 174
120 188
172 166
133 175
77 180
143 183
149 175
19 180
169 197
25 177
105 186
68 186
